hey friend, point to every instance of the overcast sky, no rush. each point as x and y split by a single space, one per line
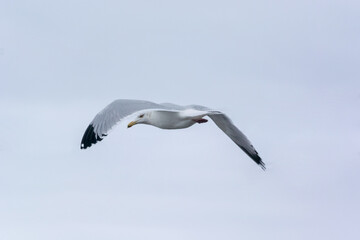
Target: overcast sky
286 72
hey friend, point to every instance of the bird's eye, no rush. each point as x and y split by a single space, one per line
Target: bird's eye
142 115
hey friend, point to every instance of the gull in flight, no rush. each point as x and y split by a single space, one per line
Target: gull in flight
165 116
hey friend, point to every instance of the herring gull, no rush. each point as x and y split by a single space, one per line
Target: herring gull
165 116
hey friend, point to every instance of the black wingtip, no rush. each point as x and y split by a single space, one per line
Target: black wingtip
262 164
256 158
90 137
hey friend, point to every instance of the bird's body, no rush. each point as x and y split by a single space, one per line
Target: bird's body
164 116
174 119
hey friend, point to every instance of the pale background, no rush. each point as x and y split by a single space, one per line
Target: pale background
286 72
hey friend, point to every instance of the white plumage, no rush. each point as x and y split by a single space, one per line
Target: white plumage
165 116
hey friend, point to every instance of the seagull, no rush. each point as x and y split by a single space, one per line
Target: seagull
164 116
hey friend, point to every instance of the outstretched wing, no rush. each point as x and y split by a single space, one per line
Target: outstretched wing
225 124
111 115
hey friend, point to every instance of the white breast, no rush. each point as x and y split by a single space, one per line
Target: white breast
170 120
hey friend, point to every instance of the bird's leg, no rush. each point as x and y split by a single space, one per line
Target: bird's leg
201 120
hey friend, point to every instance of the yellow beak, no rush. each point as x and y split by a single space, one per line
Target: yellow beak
131 124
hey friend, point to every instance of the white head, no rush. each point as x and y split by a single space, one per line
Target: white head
143 118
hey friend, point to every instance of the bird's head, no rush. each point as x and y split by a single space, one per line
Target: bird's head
141 118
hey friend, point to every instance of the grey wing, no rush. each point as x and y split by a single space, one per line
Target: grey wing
225 124
111 115
196 107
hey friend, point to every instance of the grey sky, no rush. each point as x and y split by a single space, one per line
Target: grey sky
286 72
